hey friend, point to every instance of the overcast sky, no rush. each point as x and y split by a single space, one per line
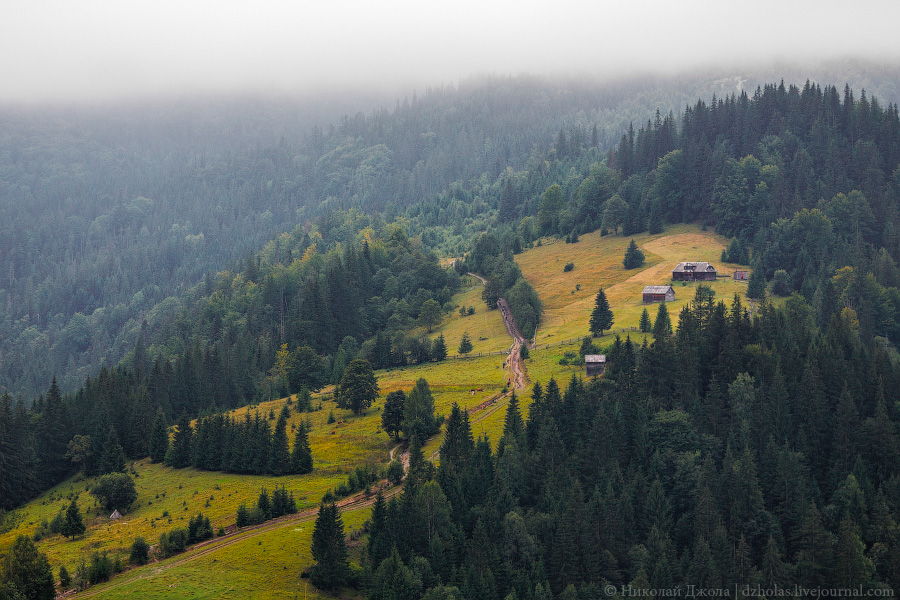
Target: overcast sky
88 49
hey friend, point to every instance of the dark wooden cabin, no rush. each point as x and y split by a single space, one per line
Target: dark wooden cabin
595 364
659 293
694 271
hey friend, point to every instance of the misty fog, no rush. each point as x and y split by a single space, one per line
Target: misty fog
99 49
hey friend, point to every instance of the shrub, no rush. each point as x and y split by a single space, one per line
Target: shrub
115 491
100 569
64 579
395 472
140 552
568 267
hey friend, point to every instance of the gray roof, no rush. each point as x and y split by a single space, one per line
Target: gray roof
696 267
595 358
657 289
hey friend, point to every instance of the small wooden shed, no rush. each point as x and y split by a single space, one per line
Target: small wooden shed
659 293
116 515
694 271
595 364
742 275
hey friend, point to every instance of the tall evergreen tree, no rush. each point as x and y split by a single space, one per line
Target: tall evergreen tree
418 412
439 349
465 344
662 326
280 461
28 571
329 549
73 524
645 324
112 460
302 459
159 438
392 415
179 454
634 258
601 316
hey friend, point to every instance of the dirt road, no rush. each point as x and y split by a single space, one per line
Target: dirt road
514 361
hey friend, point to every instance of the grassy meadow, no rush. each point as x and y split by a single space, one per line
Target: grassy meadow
568 298
167 498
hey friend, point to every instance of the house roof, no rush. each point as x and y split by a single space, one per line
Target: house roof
694 267
657 289
116 515
595 358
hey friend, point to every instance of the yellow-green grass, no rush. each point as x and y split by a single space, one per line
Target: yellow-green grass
485 328
182 493
598 263
262 565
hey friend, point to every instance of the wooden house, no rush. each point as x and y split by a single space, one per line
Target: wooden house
741 275
595 364
694 271
659 293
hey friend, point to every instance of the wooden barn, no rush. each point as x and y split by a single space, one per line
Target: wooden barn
595 364
659 293
742 275
694 271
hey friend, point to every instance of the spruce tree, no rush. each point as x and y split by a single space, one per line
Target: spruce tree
439 349
662 326
418 412
112 459
73 525
159 438
634 258
392 416
301 459
756 287
27 570
602 316
179 454
280 461
645 325
465 344
513 425
329 549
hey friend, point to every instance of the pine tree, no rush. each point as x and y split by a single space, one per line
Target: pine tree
602 316
280 461
662 326
513 425
329 549
645 325
28 571
465 344
392 416
301 459
756 287
73 525
418 411
179 454
634 258
439 349
159 438
112 459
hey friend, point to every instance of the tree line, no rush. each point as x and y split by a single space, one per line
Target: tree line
737 471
